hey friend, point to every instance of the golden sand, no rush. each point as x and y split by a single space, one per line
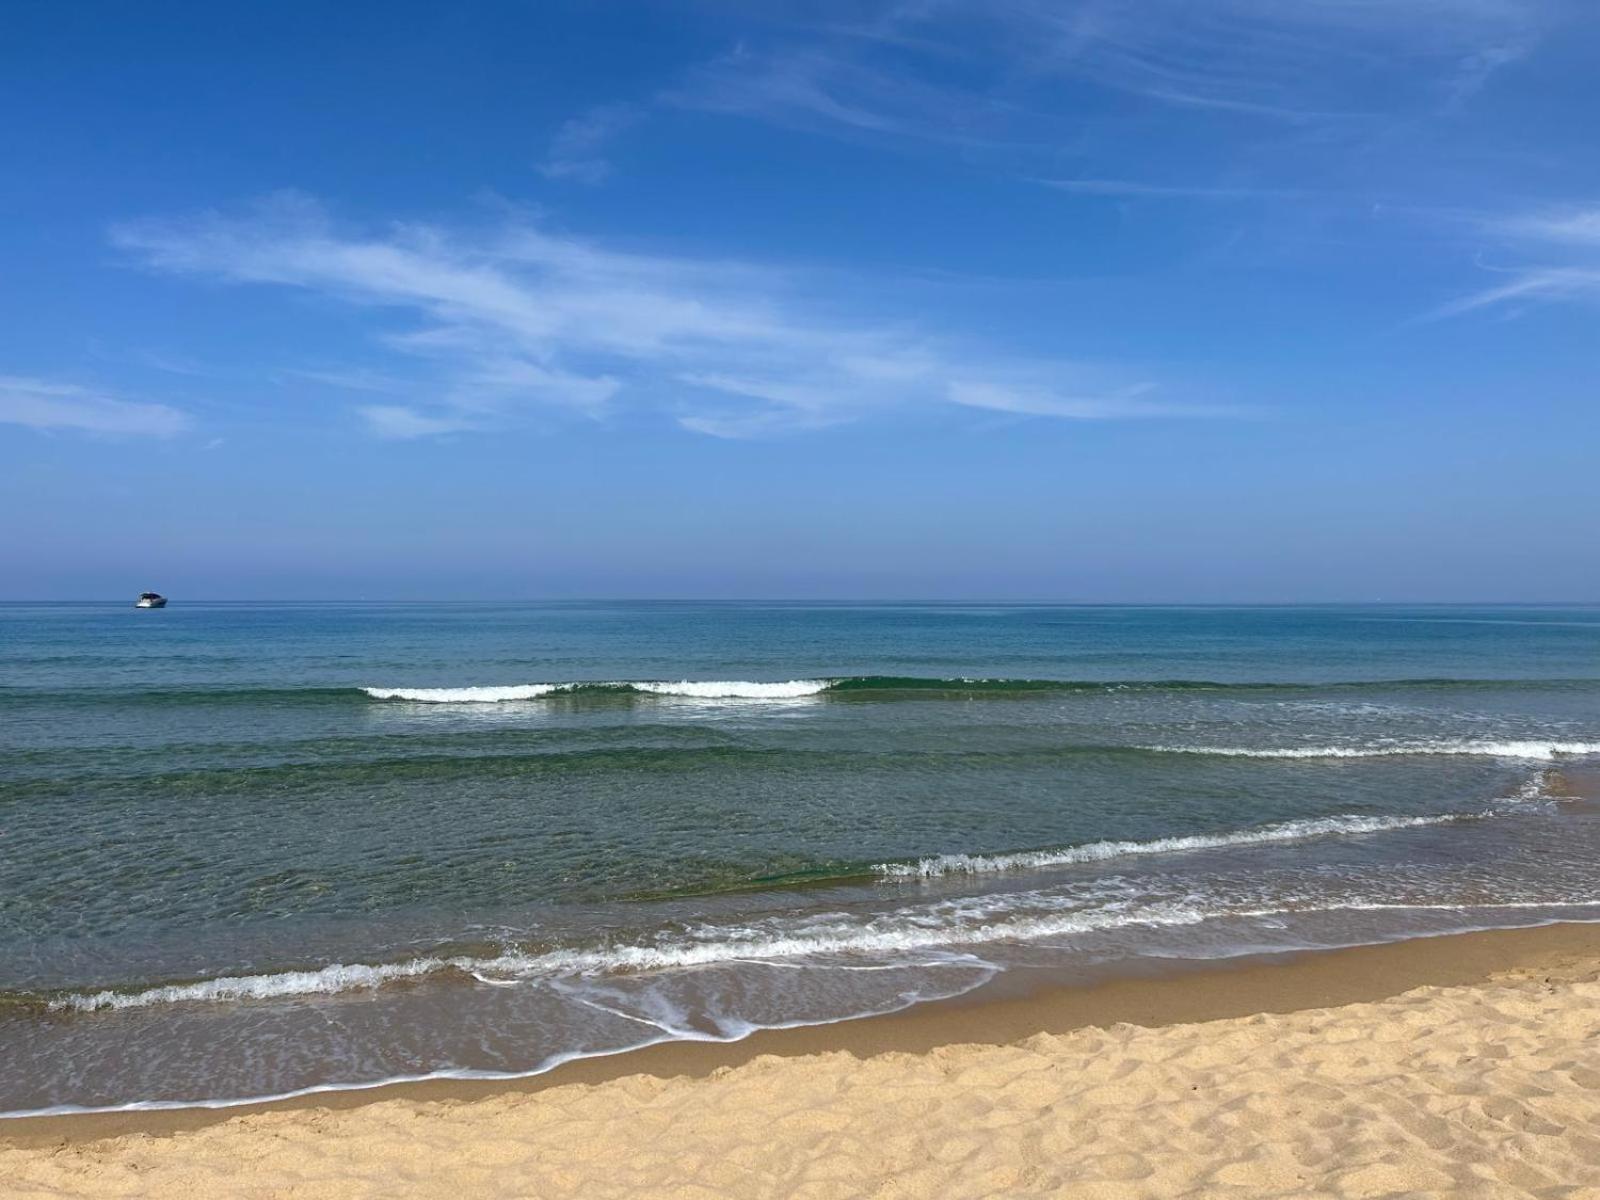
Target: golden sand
1485 1089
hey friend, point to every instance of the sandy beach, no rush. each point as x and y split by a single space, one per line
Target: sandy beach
1466 1065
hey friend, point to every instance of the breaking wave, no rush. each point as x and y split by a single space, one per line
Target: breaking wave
734 690
464 695
944 925
1539 750
844 687
338 977
901 931
714 689
866 685
1288 831
918 931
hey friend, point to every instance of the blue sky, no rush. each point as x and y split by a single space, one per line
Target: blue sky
1089 300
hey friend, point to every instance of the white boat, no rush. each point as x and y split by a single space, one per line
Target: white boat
150 600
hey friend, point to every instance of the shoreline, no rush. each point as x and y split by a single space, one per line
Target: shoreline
1150 994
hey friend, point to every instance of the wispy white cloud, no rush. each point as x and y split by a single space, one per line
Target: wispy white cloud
577 152
172 364
499 321
1543 283
981 72
1128 189
399 422
833 89
353 379
1311 60
45 404
1033 399
1570 236
1570 226
1475 69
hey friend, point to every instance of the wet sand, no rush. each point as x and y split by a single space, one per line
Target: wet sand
1463 1065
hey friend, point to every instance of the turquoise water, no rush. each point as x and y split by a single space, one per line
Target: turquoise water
252 849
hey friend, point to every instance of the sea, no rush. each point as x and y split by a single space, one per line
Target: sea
259 850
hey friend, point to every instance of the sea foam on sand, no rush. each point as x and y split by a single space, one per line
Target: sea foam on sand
1485 1090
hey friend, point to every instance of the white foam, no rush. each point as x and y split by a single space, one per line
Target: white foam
338 977
967 923
711 689
906 1000
972 921
1543 751
1288 831
466 695
900 932
727 1031
734 689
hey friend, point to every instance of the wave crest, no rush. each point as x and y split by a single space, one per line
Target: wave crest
1540 750
907 930
828 937
735 689
337 977
1288 831
464 695
709 689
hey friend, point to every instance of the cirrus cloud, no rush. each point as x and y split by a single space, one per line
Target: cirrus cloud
497 321
1561 249
48 405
